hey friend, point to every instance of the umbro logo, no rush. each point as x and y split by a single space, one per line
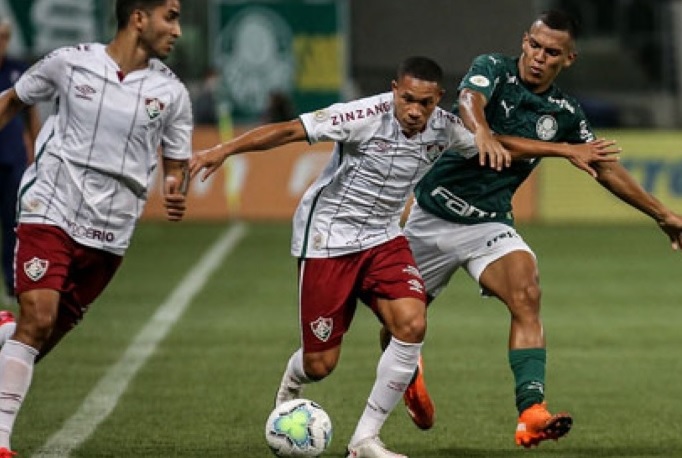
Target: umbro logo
85 91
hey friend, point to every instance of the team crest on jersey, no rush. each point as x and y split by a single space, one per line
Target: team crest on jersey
322 328
154 107
546 127
35 268
433 151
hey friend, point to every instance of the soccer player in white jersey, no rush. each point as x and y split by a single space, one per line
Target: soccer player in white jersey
346 232
116 104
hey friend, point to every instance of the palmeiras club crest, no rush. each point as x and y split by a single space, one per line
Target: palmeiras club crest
35 268
322 328
154 107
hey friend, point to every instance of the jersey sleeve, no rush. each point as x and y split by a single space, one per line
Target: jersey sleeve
39 83
346 122
461 139
176 142
483 75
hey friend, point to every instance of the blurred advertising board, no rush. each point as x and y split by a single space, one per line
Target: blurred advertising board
253 186
654 158
293 47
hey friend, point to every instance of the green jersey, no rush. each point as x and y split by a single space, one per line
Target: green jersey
459 189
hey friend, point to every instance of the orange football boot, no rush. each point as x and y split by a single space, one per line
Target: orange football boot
419 405
536 424
6 453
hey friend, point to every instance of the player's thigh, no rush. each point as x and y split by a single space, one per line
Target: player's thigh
393 288
504 263
327 300
436 246
91 271
48 259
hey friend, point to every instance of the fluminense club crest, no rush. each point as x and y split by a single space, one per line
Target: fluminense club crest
322 328
35 268
154 107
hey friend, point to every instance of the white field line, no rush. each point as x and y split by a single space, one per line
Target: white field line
101 401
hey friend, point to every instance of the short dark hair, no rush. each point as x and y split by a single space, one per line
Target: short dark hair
560 20
124 8
421 68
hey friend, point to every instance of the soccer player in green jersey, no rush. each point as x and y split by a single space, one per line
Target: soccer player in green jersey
462 215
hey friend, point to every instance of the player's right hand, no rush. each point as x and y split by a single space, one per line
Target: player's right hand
491 151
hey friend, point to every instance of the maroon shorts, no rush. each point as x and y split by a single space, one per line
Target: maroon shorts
47 258
330 287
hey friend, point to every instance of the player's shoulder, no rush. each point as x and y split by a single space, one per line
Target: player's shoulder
83 51
494 60
566 101
162 70
363 111
442 118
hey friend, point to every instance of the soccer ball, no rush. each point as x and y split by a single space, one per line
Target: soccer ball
298 428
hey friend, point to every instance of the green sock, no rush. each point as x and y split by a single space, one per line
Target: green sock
528 366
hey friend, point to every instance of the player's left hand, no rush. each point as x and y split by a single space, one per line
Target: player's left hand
491 151
173 199
671 224
584 155
209 159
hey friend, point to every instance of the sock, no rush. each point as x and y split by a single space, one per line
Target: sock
294 371
528 366
16 372
6 332
395 370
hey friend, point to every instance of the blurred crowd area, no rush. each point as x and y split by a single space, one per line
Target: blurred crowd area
627 74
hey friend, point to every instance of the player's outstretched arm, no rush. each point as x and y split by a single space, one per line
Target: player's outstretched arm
581 155
261 138
614 177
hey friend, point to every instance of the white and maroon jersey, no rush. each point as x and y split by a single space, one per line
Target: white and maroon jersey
96 155
357 200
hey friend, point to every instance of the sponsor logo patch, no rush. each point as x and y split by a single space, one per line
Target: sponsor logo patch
479 80
320 116
35 268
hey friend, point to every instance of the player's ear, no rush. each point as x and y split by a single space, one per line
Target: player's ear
441 93
572 56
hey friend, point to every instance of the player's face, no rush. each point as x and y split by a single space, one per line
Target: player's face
162 29
545 53
414 101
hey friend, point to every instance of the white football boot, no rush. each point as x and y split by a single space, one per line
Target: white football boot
372 447
288 390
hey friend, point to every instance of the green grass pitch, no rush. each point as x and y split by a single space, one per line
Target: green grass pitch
612 312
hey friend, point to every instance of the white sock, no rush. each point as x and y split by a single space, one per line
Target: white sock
6 332
394 372
294 371
16 372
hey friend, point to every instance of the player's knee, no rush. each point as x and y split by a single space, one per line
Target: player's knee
411 330
35 324
319 366
525 300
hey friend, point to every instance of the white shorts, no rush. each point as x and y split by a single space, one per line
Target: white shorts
441 247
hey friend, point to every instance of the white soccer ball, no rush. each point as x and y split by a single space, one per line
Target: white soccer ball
298 428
